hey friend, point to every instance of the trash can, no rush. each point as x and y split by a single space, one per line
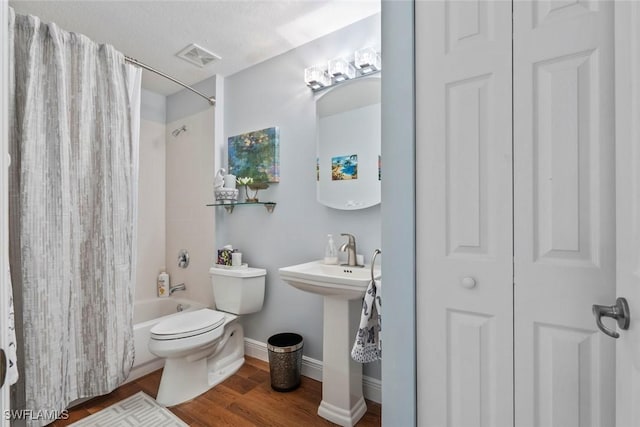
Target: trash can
285 360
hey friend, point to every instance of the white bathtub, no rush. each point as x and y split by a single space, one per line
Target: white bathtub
146 314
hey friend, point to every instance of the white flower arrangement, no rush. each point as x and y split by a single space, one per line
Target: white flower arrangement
244 180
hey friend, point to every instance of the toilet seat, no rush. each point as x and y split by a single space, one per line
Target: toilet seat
188 325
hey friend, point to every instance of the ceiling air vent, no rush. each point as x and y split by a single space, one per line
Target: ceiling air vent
197 55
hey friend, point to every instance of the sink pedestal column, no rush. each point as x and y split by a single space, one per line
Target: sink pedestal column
342 399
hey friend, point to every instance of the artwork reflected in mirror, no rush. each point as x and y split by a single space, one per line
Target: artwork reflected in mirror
344 167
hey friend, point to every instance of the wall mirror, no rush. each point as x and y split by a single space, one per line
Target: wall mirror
348 144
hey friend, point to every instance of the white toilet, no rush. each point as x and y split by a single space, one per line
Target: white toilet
202 348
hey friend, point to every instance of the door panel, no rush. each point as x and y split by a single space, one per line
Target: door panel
470 350
557 374
562 185
464 238
545 12
466 24
564 216
627 18
466 169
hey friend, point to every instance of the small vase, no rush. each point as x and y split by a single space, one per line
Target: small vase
249 199
255 187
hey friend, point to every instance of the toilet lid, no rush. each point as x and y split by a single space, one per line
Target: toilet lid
188 324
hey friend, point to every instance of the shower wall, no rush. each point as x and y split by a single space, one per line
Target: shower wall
189 187
175 184
151 194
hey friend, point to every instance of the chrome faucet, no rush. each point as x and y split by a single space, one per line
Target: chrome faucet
350 248
178 287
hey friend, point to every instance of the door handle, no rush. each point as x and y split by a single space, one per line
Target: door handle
3 367
620 312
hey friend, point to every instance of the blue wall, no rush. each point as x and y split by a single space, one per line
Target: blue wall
273 93
398 214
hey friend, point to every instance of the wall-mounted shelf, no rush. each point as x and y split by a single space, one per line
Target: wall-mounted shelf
270 206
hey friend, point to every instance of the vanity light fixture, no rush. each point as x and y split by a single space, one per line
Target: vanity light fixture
367 60
316 77
340 69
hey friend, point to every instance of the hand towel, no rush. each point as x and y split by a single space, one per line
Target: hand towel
12 367
368 344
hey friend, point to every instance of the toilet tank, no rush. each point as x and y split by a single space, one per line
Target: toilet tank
238 291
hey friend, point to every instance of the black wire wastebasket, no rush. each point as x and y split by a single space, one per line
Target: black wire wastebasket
285 360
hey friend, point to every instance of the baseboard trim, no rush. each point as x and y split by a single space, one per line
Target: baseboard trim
312 368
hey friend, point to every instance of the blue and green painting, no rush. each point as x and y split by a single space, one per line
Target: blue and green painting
256 155
344 167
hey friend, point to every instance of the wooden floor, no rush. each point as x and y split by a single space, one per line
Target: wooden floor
245 399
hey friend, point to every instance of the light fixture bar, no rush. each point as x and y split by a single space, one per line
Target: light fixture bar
366 61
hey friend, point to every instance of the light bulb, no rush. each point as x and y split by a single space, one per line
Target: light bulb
367 60
316 77
340 69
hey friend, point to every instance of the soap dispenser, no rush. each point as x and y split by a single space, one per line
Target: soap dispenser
330 251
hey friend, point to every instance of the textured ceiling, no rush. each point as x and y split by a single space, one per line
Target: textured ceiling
242 32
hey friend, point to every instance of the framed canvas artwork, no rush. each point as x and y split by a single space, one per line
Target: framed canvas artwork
256 155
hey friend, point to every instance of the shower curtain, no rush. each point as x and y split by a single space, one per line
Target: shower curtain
74 119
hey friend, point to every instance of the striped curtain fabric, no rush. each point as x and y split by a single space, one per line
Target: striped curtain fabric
74 112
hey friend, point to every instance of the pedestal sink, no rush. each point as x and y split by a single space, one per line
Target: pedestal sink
342 287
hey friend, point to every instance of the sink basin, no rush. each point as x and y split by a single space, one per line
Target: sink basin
329 280
342 399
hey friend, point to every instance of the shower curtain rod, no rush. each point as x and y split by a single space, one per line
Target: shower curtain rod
211 99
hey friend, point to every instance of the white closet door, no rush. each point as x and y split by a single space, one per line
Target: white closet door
464 214
564 212
627 19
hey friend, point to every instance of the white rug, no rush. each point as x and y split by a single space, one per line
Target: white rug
139 410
